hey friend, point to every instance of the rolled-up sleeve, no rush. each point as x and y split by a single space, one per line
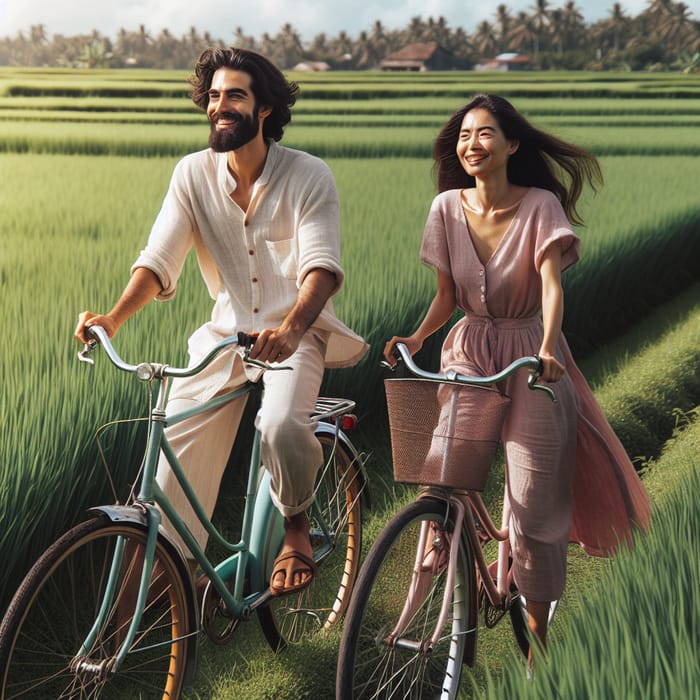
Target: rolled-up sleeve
318 237
171 237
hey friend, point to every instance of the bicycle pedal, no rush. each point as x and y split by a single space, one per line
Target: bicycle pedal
492 614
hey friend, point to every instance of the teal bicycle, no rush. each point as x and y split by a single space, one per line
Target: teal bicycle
111 609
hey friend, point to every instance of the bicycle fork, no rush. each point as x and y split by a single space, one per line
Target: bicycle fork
432 557
82 665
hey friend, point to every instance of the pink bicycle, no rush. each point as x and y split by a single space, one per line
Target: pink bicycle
412 619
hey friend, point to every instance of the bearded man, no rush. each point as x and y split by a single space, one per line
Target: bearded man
264 222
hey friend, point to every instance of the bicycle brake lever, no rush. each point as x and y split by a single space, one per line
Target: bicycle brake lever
84 354
534 376
263 365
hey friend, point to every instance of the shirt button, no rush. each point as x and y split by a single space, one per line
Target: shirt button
251 252
255 279
481 273
483 289
483 297
256 310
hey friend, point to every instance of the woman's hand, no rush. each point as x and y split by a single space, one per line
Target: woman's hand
412 343
552 369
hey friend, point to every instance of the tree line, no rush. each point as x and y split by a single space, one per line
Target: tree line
664 36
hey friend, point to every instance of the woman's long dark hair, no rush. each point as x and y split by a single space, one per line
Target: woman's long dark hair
540 161
270 87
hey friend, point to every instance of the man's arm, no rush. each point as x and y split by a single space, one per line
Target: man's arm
143 287
277 344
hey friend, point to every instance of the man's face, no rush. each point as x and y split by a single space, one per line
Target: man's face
233 112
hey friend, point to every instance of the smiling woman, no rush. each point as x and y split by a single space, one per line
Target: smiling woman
498 238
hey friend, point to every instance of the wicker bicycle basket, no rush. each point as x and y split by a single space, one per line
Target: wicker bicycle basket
443 434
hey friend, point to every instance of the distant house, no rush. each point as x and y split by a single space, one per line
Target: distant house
504 62
421 57
312 66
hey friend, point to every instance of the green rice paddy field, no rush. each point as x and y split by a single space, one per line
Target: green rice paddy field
85 160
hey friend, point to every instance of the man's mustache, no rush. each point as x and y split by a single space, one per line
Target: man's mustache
229 116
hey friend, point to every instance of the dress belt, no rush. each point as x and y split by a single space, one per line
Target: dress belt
505 323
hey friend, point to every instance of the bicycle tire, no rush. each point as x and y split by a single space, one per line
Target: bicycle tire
55 607
368 666
291 619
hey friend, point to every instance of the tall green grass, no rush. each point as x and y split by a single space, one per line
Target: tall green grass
636 632
74 224
410 140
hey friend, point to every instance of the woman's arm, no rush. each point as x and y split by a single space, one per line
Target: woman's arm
552 312
439 313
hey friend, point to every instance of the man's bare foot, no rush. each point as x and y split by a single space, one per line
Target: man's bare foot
294 567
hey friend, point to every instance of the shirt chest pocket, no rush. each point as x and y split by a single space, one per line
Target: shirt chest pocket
283 257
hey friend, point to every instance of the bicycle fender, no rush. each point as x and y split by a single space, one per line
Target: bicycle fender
118 514
134 514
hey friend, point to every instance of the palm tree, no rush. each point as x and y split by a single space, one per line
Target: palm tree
242 40
522 34
618 24
503 20
289 47
485 41
414 32
573 28
540 23
678 30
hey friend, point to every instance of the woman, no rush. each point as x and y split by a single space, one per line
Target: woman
499 237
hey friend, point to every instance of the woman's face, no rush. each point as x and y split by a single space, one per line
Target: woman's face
482 147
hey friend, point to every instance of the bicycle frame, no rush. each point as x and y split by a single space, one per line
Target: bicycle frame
262 529
498 593
461 503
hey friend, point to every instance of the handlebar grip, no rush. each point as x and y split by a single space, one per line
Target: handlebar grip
247 340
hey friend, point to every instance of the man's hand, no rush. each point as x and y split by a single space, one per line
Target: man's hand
275 345
87 319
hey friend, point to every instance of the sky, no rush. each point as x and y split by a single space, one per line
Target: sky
308 17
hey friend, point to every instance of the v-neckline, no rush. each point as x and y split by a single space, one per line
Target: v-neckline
501 240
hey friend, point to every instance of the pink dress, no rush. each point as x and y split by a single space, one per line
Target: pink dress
568 476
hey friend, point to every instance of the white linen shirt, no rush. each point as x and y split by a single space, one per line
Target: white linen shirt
253 262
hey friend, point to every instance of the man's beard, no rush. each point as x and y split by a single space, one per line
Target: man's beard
242 132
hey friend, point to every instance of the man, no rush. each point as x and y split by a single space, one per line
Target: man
264 221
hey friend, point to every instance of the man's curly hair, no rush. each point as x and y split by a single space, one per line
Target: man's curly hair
270 87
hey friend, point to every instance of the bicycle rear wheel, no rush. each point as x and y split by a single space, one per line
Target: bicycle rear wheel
57 605
381 657
291 619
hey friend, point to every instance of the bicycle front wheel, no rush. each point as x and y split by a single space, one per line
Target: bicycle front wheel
59 603
293 618
385 651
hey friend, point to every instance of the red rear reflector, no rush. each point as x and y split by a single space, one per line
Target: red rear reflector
348 422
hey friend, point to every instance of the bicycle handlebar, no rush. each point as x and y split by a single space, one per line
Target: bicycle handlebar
533 363
148 370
